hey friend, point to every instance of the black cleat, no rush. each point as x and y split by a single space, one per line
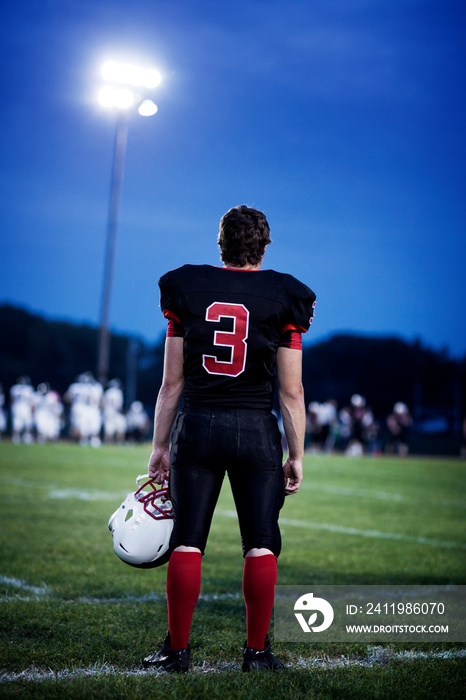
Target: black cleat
168 659
254 660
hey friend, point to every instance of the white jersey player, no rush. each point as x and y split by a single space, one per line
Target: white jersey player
137 422
85 396
114 419
22 403
48 413
2 412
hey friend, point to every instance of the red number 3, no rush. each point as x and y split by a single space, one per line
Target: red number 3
235 339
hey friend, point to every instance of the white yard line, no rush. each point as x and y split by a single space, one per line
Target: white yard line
83 495
100 495
376 656
28 593
37 591
360 533
378 495
373 533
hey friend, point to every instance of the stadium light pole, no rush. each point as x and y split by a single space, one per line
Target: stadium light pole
126 89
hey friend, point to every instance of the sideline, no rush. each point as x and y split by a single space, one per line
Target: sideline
376 656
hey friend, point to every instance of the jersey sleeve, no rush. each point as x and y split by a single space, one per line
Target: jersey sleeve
300 312
301 304
170 302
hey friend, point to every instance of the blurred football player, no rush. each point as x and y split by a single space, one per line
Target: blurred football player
398 424
2 412
137 422
113 416
321 421
85 396
361 424
229 328
463 440
328 419
313 441
48 413
22 406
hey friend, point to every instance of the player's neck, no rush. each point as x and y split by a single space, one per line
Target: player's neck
243 267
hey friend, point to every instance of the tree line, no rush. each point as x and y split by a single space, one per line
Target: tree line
383 369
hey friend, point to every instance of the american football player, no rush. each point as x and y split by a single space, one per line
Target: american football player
137 422
48 413
399 423
229 329
22 406
2 412
85 396
362 426
113 417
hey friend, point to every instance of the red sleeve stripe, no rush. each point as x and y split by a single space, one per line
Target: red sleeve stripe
294 327
291 339
170 315
174 330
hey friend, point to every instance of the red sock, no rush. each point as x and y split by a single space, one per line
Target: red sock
183 588
259 579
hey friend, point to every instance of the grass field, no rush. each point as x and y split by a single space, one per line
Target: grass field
76 621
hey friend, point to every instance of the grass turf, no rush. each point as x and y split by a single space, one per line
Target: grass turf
69 603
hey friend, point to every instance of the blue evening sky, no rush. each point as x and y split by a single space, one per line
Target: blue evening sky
343 120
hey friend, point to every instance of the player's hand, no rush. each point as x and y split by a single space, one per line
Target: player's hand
293 471
159 464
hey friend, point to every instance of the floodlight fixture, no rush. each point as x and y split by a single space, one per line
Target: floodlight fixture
128 74
147 108
109 71
121 98
127 86
152 78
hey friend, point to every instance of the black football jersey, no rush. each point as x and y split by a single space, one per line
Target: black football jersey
232 322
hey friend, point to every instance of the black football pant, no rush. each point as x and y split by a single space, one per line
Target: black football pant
246 444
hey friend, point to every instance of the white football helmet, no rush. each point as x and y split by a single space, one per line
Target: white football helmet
142 526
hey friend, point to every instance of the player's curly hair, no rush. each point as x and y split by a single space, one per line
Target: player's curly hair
244 233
